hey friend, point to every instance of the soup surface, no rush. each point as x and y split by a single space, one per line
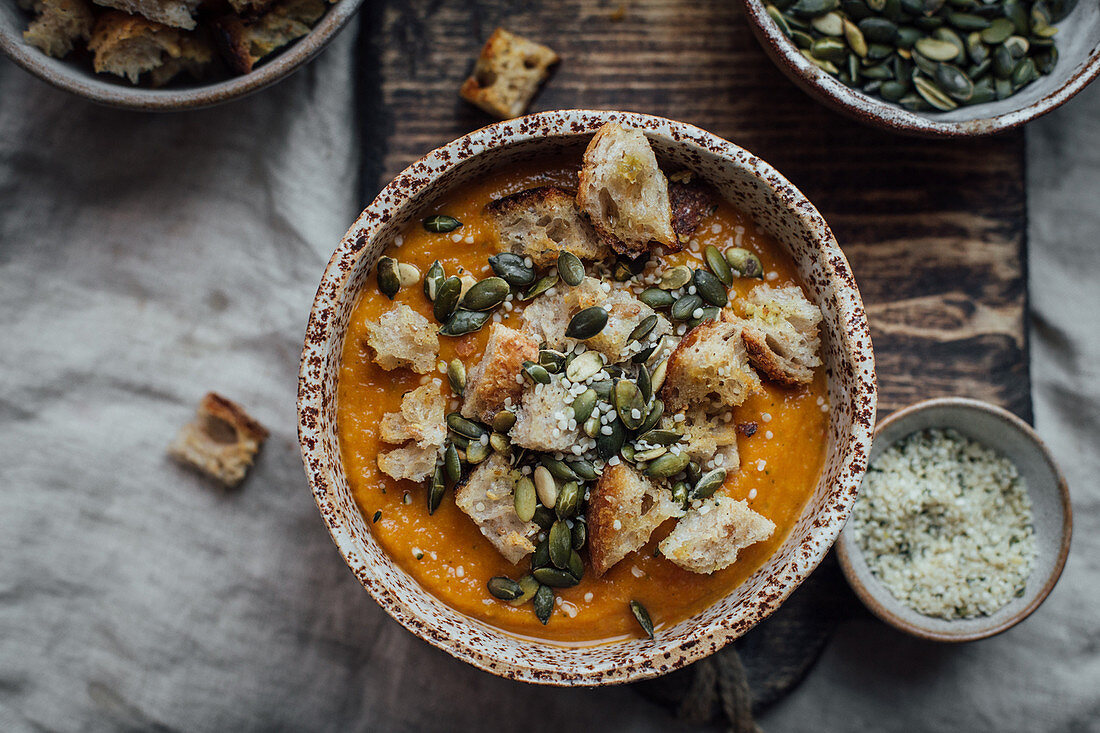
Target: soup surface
781 444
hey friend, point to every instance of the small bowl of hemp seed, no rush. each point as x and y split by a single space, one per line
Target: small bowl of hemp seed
934 68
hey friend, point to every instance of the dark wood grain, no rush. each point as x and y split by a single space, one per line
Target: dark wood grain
934 230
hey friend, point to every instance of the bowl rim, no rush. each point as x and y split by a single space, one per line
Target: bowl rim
89 85
830 92
803 557
847 550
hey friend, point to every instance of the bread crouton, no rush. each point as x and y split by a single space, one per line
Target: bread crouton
543 418
58 25
245 42
709 368
492 381
709 538
403 338
623 510
172 13
707 437
411 462
196 57
129 46
507 74
421 418
486 496
548 316
781 334
624 192
692 200
541 222
221 441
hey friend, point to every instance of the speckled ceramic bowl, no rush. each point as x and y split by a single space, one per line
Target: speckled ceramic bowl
1078 43
1051 513
77 76
756 188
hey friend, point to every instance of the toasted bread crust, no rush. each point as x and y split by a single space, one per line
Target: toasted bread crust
625 496
770 364
58 25
710 362
711 537
781 335
403 338
221 441
541 222
491 382
507 74
485 495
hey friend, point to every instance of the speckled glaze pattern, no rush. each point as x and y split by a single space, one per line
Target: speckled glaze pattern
753 186
78 77
1078 42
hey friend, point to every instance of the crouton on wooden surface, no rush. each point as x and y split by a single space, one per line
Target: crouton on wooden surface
421 418
485 494
781 334
543 419
709 368
221 441
541 222
710 537
624 193
492 381
403 338
507 74
172 13
623 511
411 462
58 25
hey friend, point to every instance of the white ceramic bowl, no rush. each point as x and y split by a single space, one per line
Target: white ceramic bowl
1053 519
1078 43
79 78
753 186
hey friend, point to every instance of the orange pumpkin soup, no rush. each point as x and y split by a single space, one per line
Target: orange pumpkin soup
781 441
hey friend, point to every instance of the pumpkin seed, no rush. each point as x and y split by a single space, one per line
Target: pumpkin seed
464 321
591 426
629 404
1017 46
937 50
1024 73
536 373
467 428
650 453
433 279
627 452
878 30
446 298
561 544
967 21
983 92
656 298
530 586
460 441
543 518
826 66
829 49
486 294
585 366
580 534
543 603
744 263
907 38
675 278
642 616
569 500
545 486
881 72
440 224
934 95
389 281
642 329
854 36
998 31
643 356
555 578
610 443
684 307
654 416
813 8
436 490
645 385
621 272
708 484
694 472
505 589
586 324
503 421
524 499
499 443
452 463
661 437
778 19
584 469
831 24
476 452
711 288
456 375
680 494
802 39
512 268
583 405
541 286
558 469
570 268
925 64
1015 11
709 313
667 465
551 360
576 565
1046 61
955 82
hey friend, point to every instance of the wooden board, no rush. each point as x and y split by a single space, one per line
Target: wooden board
934 230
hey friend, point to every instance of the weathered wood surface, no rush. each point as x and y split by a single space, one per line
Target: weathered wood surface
934 230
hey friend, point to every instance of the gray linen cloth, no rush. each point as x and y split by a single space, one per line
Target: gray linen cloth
147 259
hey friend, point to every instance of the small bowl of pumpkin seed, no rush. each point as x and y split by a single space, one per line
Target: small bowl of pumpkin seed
936 68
